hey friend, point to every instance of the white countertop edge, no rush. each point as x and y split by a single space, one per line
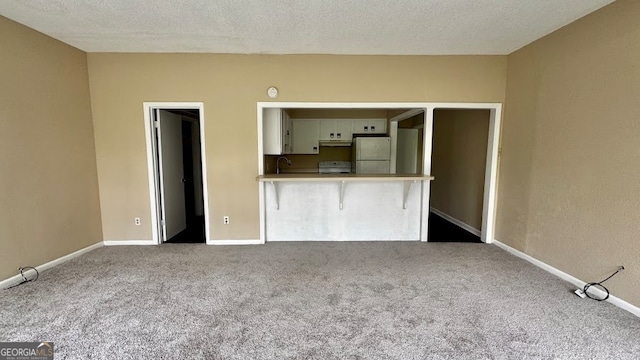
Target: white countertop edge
341 177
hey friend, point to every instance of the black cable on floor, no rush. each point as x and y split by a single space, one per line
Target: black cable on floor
25 278
599 284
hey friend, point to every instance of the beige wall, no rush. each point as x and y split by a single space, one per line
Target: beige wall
569 192
458 163
230 86
48 182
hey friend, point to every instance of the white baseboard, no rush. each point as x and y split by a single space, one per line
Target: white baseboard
17 278
129 242
455 221
569 278
235 242
209 242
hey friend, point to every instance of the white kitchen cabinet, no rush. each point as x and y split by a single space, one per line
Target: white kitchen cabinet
286 132
335 129
327 129
276 132
305 135
344 129
370 126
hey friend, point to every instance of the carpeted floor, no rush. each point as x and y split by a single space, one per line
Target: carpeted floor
312 300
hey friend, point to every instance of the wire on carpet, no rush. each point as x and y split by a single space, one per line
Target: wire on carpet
599 285
25 276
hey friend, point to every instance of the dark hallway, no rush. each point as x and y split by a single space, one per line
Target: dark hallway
193 187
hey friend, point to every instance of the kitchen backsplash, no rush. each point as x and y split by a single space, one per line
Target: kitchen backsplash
308 162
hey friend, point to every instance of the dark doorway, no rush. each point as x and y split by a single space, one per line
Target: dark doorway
193 189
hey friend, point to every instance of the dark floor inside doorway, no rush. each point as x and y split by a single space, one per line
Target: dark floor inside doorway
194 233
441 230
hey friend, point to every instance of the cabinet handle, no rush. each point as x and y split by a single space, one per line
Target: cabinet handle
315 149
339 135
366 128
331 135
373 128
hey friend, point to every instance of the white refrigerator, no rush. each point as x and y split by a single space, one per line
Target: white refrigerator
371 155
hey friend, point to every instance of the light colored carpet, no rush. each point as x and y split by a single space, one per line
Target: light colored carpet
312 300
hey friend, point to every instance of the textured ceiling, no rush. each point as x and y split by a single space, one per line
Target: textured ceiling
429 27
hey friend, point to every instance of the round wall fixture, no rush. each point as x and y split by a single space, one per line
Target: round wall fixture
272 92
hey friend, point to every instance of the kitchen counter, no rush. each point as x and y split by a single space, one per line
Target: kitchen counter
344 207
342 177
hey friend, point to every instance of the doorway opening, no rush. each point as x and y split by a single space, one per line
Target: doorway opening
481 191
459 156
177 175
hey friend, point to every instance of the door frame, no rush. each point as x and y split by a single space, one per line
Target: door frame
153 166
491 167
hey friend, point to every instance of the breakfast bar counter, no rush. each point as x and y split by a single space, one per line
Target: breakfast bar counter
344 207
342 177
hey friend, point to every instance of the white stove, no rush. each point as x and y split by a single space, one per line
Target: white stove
334 167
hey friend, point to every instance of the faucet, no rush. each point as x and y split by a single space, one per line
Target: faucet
278 163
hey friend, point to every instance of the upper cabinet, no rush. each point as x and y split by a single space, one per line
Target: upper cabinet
370 126
276 131
335 130
306 136
305 133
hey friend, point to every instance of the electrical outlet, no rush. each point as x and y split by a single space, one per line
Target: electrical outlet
225 220
136 221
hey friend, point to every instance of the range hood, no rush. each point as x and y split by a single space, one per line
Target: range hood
333 143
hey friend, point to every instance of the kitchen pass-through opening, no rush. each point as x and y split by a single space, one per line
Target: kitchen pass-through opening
296 137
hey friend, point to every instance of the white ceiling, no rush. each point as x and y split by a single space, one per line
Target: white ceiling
420 27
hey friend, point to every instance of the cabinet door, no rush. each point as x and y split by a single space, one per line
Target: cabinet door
370 126
305 136
327 130
272 131
378 126
360 126
286 132
343 130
